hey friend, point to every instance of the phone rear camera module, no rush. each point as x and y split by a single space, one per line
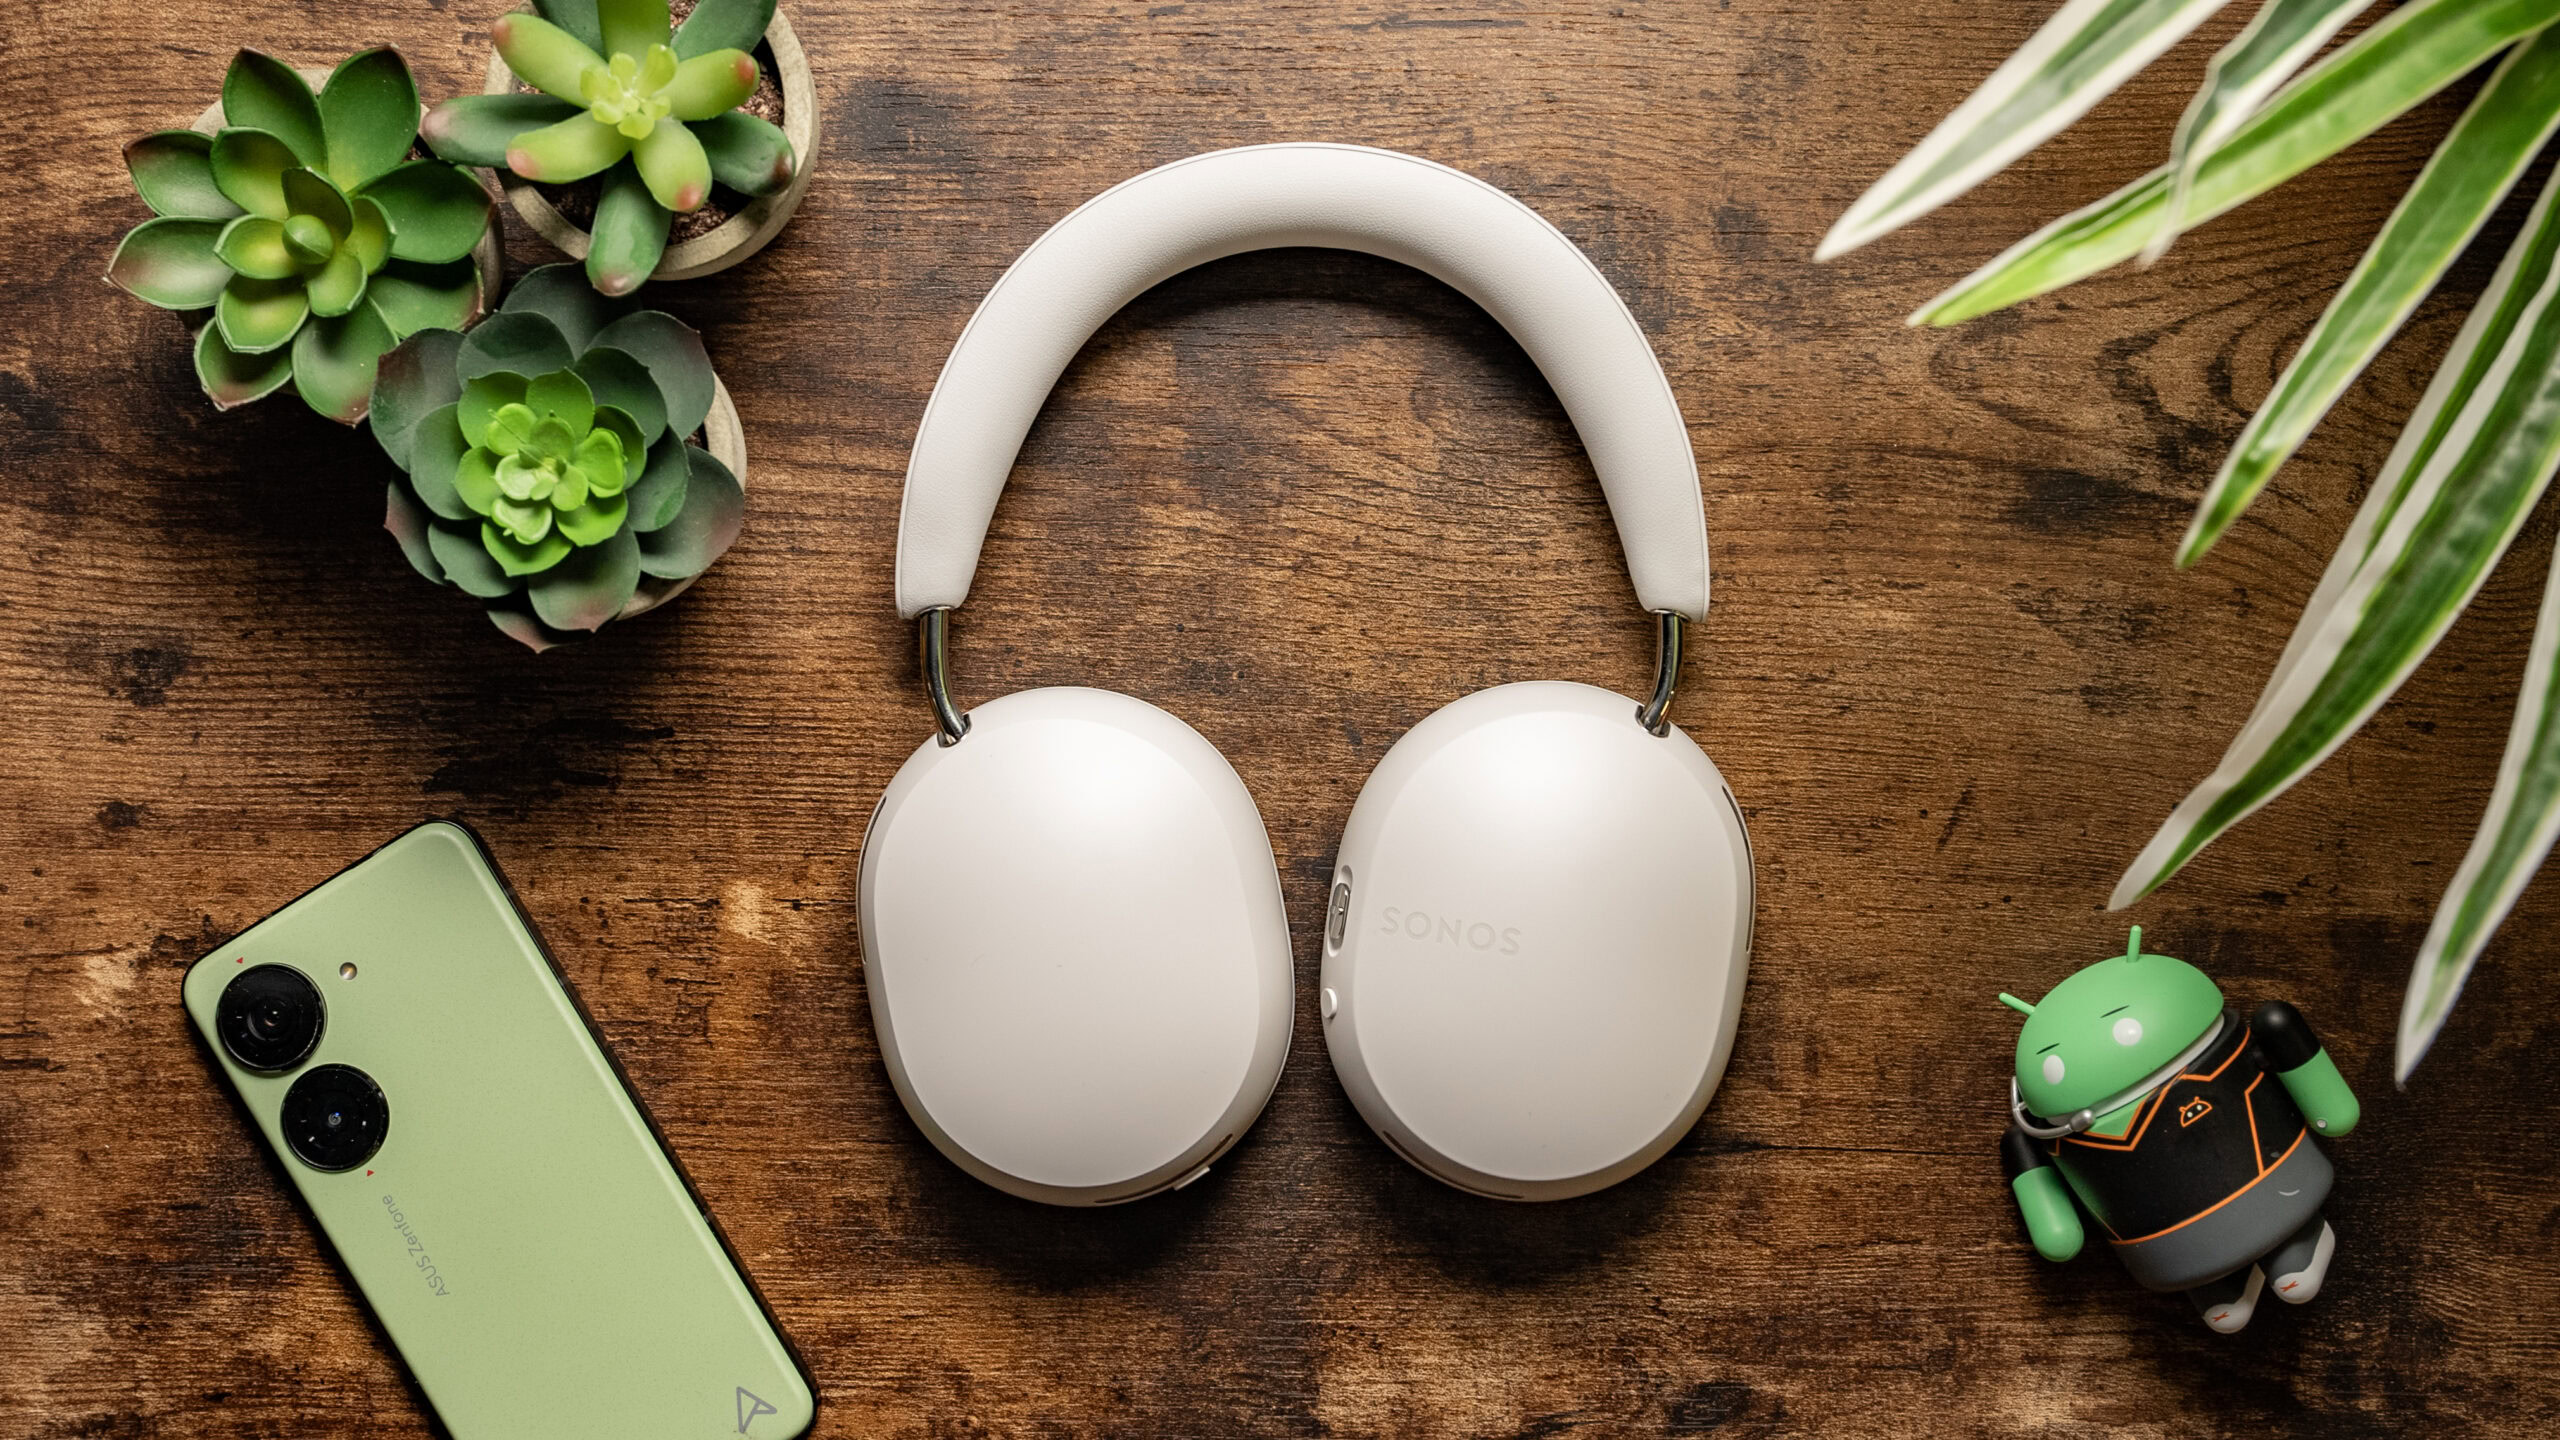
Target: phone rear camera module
269 1017
335 1117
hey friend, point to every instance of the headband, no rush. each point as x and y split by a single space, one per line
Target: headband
1458 229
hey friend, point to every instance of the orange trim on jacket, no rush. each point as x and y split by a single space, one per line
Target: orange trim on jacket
2155 1098
2249 1100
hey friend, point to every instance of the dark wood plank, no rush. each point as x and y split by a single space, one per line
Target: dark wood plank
1299 499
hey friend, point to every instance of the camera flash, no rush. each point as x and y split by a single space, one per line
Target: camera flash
347 971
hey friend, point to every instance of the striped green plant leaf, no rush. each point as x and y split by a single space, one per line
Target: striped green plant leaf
2274 44
2398 61
2470 173
2477 347
2468 468
2523 819
2081 55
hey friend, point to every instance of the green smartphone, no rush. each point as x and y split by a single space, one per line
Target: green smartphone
416 1062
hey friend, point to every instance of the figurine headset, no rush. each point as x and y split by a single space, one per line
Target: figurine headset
1534 943
2138 1092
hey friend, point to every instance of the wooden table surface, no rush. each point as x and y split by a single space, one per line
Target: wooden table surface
1299 499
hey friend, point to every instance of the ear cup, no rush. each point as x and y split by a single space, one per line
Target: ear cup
1537 941
1075 948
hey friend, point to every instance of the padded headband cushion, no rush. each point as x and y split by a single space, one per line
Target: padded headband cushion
1471 236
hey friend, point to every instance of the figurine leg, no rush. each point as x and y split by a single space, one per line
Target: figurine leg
2227 1303
2301 1263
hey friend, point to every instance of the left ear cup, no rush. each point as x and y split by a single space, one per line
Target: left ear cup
1536 943
1076 952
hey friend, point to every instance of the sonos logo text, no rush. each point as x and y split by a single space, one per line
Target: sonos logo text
1452 930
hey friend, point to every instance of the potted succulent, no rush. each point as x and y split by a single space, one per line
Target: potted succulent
309 228
550 458
645 147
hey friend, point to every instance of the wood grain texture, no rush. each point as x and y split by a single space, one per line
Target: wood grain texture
1299 499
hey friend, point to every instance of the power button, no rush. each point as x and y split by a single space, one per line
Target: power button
1337 915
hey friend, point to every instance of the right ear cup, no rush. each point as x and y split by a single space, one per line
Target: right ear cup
1076 952
1536 943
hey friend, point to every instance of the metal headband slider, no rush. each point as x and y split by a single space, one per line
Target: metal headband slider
933 657
1655 714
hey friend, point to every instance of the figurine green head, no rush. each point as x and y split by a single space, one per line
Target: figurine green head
2103 1030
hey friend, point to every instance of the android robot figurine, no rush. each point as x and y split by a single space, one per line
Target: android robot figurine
2183 1130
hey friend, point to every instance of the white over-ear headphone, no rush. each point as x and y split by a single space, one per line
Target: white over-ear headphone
1073 935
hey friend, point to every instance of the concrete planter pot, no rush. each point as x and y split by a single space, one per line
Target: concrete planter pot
736 238
727 441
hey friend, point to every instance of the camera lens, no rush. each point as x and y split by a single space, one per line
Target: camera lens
269 1017
335 1117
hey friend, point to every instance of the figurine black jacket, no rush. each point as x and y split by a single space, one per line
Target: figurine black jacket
2207 1172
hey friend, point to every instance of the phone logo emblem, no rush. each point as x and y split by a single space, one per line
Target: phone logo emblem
751 1405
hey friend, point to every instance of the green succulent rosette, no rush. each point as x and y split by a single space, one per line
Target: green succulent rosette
622 92
549 469
306 230
546 468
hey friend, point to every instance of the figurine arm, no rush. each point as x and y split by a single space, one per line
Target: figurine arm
2052 1221
2309 1075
